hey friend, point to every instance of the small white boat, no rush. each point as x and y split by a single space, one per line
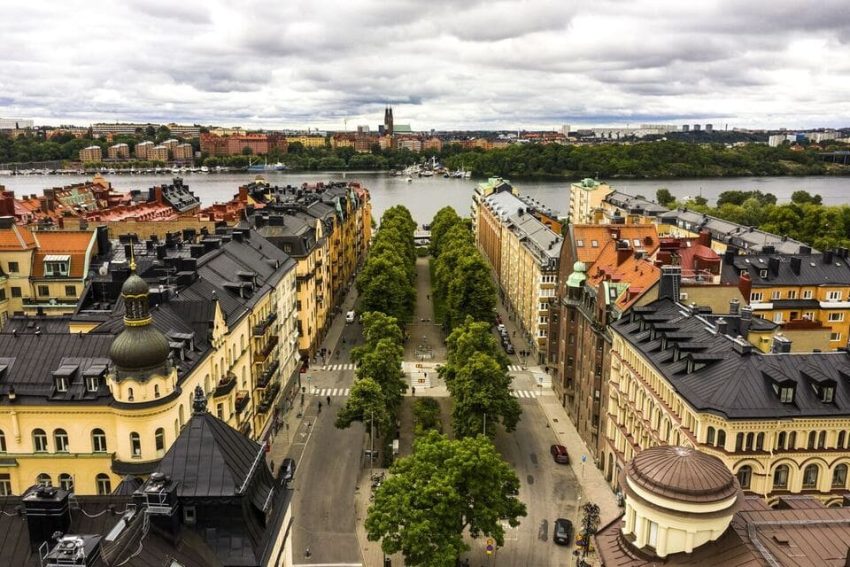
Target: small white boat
409 179
205 169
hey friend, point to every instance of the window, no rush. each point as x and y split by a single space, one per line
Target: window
839 476
822 440
159 438
834 337
739 442
130 395
14 267
43 291
807 294
812 439
70 291
135 445
2 442
61 383
5 484
594 244
792 294
60 439
92 383
16 291
792 440
760 442
709 439
3 294
652 539
66 482
842 437
756 296
775 294
56 268
786 394
827 393
98 441
721 438
835 317
44 480
745 475
189 515
810 476
104 485
780 477
39 441
777 317
156 390
780 440
833 296
579 243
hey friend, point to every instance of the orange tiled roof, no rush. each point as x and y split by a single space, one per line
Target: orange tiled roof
603 233
73 243
16 238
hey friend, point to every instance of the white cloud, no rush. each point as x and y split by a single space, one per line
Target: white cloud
444 64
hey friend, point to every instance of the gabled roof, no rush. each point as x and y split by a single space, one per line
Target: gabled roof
72 243
16 238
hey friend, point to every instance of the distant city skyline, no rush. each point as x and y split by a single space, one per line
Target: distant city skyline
449 65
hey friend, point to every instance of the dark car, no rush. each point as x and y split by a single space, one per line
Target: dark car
563 532
559 453
509 348
287 470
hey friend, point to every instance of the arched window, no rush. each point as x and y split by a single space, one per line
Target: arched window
780 477
44 480
750 444
104 485
39 441
745 476
98 441
839 476
176 428
180 415
709 438
810 476
780 440
135 445
760 442
792 440
721 438
739 442
130 395
207 385
159 438
822 440
156 390
2 441
66 482
60 440
841 439
812 439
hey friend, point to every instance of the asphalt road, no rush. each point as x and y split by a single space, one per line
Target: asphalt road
548 489
323 501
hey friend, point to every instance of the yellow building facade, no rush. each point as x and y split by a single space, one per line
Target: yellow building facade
586 199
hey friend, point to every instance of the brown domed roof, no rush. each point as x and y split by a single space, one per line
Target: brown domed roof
682 473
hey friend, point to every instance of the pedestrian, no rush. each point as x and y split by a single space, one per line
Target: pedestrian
428 296
329 401
302 400
320 407
413 390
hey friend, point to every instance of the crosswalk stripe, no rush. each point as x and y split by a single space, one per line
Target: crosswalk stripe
335 392
514 368
334 367
525 393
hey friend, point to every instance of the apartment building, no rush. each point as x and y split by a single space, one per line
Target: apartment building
158 153
91 154
326 228
142 150
777 420
182 152
118 151
82 407
586 199
524 254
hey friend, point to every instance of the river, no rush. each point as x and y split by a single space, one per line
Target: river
425 196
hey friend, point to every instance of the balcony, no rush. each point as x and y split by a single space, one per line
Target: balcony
242 399
225 385
263 326
263 355
268 399
266 376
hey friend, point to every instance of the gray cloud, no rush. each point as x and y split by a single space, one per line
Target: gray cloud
445 64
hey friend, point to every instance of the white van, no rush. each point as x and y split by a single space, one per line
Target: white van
349 317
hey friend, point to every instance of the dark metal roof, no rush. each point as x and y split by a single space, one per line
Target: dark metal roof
734 384
814 270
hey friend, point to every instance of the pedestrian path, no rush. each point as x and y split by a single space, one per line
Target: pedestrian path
525 393
515 368
347 366
331 391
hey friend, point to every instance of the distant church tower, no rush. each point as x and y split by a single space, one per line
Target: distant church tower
388 121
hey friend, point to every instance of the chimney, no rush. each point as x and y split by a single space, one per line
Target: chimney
827 256
734 305
741 346
243 193
729 256
196 250
746 320
102 239
722 326
805 250
773 266
796 265
745 286
781 344
237 235
624 251
671 278
160 251
705 237
47 512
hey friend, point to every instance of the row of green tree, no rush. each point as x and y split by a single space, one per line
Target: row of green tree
462 284
386 282
805 218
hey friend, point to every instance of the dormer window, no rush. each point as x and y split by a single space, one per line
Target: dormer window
762 273
61 383
785 391
57 265
63 376
826 393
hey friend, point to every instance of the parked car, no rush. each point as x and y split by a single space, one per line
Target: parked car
563 532
502 329
509 348
349 317
559 453
287 470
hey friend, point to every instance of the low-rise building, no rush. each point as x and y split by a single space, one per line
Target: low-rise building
91 154
142 150
158 153
182 152
118 151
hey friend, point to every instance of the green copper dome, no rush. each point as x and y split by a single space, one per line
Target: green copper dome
134 286
578 276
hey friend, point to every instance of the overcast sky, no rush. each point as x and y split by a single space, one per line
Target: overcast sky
442 64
